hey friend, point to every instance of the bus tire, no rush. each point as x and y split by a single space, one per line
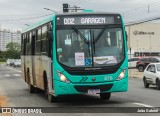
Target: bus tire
146 84
158 84
141 68
30 86
51 98
105 96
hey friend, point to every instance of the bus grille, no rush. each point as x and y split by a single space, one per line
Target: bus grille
85 89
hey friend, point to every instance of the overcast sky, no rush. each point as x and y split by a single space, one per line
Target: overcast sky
17 13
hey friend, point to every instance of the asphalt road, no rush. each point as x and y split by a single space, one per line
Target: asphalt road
17 95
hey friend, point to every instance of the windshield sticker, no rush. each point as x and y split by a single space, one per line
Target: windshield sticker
88 61
59 50
79 59
68 42
105 60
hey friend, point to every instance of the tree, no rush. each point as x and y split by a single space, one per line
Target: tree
13 46
3 56
13 50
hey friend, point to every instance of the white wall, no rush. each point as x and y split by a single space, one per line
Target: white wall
144 37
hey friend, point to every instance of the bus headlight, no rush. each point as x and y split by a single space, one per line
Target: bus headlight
121 75
62 77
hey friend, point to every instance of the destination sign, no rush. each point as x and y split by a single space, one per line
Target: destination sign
87 20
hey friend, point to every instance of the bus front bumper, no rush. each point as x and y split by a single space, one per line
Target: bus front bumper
62 88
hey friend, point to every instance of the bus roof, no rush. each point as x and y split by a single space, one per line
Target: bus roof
38 24
64 14
83 13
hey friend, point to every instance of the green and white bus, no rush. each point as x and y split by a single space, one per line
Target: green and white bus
76 53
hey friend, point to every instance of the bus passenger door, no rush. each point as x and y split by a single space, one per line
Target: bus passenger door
49 53
33 58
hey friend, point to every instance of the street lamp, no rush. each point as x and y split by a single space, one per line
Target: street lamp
150 45
138 48
26 24
50 10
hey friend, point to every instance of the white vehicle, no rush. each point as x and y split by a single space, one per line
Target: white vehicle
132 62
17 63
152 75
8 62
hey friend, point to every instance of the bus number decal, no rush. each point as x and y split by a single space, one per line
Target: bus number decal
108 78
68 21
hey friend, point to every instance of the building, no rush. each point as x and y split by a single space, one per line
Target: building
144 39
7 36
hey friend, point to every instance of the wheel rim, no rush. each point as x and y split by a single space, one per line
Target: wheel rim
141 68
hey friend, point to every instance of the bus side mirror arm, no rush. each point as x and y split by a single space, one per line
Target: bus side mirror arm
50 35
126 36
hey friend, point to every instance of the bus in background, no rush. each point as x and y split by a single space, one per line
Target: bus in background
76 53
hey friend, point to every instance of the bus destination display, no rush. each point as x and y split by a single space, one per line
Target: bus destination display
85 20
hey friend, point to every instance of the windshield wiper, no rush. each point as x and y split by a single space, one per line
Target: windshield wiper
81 35
99 35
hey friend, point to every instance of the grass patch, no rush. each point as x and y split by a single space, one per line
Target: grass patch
2 62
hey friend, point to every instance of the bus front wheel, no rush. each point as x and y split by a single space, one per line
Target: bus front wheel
105 96
51 98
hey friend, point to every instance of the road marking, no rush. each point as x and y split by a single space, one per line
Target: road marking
145 105
14 69
6 75
16 74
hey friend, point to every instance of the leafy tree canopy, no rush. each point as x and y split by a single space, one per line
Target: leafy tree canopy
13 46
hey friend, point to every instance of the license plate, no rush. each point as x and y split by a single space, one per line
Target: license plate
93 91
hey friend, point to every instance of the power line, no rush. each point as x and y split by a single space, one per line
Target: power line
142 10
142 21
27 18
21 14
141 7
153 10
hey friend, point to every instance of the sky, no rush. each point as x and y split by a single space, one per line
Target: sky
17 14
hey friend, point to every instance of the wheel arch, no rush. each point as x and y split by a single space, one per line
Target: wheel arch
28 77
45 80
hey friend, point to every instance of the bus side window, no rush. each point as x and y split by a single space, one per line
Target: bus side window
50 39
28 49
38 41
22 44
44 43
33 43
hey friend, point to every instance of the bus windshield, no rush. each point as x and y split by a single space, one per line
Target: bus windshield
90 46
